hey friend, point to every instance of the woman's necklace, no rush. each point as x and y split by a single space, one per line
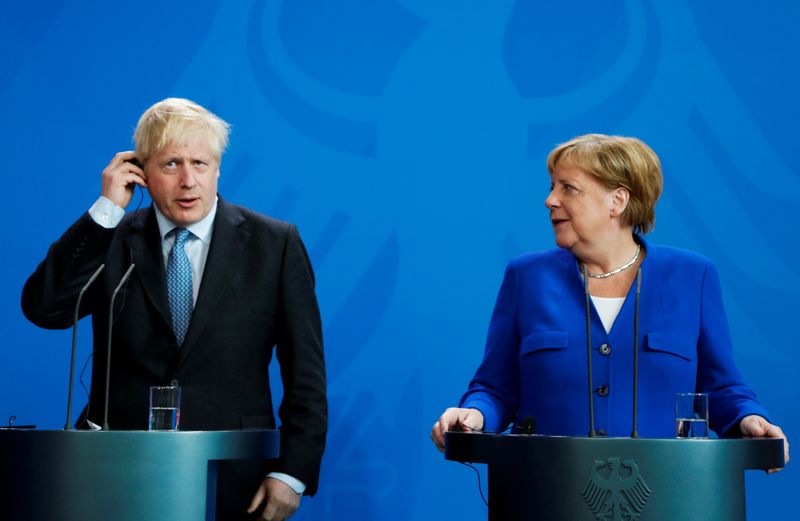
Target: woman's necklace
621 268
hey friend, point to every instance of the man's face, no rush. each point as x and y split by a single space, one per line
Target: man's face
182 180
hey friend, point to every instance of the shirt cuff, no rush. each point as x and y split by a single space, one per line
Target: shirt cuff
106 213
296 485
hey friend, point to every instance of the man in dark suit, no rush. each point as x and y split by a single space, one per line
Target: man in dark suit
214 288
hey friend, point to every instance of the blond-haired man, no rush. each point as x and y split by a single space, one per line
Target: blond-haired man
215 288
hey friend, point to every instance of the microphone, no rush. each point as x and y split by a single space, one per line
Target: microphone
108 345
635 429
526 425
67 425
592 432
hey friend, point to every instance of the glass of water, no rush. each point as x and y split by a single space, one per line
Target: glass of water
165 408
691 415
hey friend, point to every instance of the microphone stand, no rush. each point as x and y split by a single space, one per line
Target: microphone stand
592 432
635 430
68 424
108 346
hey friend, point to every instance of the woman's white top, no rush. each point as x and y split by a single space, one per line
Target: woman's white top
608 309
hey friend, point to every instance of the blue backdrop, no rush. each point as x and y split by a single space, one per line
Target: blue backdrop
407 139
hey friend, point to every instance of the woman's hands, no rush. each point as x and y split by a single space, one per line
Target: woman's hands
452 418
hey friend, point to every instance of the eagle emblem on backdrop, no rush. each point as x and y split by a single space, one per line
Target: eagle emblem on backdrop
616 490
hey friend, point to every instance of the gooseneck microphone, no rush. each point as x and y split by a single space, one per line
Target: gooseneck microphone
635 429
68 424
108 345
592 432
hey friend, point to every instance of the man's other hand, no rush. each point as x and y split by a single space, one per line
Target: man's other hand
279 500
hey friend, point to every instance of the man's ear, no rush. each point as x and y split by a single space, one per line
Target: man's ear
619 201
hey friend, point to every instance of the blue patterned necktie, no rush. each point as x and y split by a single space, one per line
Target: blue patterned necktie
179 285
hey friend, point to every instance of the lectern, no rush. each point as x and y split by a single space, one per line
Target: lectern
553 478
120 475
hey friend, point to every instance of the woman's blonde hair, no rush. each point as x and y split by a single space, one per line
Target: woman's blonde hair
618 162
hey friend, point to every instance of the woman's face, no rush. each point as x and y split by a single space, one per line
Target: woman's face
581 208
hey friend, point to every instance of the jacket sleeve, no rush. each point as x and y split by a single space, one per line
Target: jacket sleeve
304 409
730 399
494 390
50 293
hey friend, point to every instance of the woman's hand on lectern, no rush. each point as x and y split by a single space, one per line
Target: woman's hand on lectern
455 418
755 426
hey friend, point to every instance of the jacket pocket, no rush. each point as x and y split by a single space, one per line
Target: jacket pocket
665 343
544 340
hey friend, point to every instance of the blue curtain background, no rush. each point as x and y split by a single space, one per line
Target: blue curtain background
407 140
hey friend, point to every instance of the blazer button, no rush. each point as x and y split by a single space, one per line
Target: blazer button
605 349
602 390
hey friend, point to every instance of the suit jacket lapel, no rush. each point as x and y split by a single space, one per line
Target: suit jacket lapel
145 244
227 244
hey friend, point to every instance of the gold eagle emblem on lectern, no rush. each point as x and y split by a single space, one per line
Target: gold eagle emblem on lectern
616 490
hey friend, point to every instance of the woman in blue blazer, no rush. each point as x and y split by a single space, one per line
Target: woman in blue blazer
602 200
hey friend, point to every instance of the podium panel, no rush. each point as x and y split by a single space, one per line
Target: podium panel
553 478
120 475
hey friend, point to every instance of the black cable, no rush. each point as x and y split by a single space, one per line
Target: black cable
480 490
88 358
470 465
125 293
85 389
124 297
141 198
121 307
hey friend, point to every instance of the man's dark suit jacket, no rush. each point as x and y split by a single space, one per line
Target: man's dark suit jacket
257 292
